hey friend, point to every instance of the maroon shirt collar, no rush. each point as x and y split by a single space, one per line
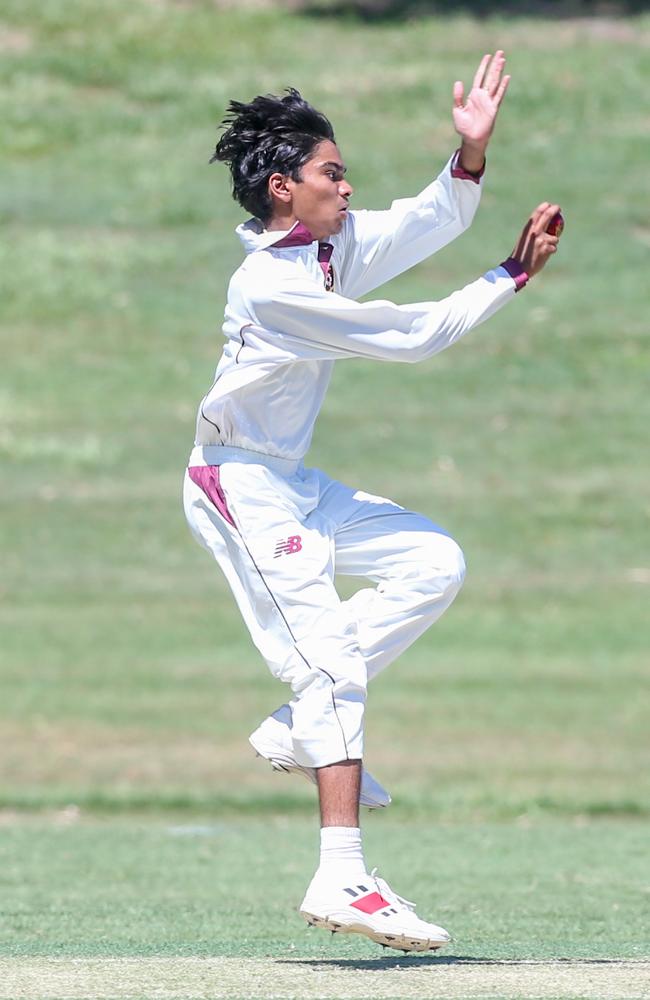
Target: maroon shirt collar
298 236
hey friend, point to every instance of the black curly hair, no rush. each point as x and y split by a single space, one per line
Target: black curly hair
269 134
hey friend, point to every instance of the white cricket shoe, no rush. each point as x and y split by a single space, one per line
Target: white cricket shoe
272 740
369 906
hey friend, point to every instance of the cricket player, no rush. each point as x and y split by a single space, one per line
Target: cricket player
279 529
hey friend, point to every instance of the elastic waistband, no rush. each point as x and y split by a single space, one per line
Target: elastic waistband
216 454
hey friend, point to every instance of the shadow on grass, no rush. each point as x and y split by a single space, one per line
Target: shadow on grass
419 960
387 11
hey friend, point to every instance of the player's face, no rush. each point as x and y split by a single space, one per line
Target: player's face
320 198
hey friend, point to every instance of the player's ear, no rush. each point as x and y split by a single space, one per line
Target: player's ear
279 187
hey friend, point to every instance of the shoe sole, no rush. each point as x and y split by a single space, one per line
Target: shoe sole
286 764
339 924
279 762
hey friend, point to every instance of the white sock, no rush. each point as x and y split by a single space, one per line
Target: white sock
341 854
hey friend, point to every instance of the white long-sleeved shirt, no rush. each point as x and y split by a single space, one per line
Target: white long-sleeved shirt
284 330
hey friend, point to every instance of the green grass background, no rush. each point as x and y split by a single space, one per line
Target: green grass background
128 681
210 888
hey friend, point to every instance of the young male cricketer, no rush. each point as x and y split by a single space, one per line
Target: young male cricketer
280 530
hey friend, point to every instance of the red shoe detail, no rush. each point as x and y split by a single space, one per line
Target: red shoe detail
371 903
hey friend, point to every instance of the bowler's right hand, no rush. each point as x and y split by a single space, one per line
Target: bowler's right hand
535 245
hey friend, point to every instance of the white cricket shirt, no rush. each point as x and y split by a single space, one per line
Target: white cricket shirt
284 330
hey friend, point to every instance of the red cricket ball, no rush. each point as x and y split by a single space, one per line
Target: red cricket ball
556 225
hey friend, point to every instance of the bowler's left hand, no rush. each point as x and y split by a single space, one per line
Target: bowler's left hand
474 118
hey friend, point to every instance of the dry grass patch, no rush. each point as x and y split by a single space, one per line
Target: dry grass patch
14 41
328 979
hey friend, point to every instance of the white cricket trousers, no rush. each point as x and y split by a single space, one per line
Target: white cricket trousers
280 532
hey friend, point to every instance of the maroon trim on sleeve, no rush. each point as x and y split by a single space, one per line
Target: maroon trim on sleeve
460 173
516 271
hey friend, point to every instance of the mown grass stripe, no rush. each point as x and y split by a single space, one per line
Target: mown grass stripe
137 802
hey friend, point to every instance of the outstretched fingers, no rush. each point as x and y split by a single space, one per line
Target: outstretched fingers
474 115
488 77
480 72
489 73
501 90
494 73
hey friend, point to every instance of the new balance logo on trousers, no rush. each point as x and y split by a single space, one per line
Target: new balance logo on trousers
286 546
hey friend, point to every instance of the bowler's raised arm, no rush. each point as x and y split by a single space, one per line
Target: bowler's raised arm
475 116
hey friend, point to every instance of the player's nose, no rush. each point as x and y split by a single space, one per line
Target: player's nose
345 189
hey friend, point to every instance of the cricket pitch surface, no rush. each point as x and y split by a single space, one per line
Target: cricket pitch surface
397 978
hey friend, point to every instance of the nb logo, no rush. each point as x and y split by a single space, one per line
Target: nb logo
288 545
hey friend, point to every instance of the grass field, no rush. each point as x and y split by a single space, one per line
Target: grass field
514 736
88 896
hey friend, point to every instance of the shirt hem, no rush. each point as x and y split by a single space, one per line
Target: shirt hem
215 454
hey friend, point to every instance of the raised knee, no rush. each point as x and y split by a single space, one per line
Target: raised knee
456 567
446 566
